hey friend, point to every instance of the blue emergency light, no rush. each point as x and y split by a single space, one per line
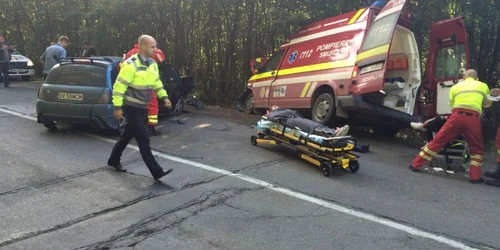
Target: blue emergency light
378 4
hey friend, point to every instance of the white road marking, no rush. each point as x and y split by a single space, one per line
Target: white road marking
373 218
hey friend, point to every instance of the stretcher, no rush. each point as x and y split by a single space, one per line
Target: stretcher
458 151
326 153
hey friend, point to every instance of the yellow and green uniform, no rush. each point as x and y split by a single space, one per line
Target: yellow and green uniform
469 94
134 84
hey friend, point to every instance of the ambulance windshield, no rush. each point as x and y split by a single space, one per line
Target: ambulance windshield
380 32
272 63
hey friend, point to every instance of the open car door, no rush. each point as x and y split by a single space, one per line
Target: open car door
372 58
448 59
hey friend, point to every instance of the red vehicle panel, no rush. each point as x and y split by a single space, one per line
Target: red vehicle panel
448 59
364 63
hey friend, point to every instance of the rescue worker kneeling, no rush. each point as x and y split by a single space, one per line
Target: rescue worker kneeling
467 100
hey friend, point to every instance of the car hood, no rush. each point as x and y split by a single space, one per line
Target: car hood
19 58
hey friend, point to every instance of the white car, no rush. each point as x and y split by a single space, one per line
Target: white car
21 66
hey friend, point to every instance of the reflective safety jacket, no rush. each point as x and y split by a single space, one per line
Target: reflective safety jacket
134 84
469 94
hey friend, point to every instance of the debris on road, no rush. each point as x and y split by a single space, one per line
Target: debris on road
194 102
177 121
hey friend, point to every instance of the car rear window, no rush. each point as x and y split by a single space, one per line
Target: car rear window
78 75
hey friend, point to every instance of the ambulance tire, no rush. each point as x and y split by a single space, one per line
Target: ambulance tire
249 108
323 109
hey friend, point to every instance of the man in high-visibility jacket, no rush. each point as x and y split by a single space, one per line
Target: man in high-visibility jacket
159 57
131 94
467 100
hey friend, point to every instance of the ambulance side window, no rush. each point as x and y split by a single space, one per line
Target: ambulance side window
450 62
273 62
380 32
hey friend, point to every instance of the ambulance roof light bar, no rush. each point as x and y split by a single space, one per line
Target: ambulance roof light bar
378 4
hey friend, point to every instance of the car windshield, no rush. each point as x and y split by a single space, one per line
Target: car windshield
78 75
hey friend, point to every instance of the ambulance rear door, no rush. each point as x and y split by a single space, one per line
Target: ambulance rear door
372 58
448 59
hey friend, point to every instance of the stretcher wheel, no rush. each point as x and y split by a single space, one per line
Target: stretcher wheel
354 166
326 168
253 140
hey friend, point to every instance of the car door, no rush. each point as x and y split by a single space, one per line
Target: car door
372 57
261 82
448 57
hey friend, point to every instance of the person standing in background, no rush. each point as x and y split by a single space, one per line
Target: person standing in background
57 50
5 57
88 50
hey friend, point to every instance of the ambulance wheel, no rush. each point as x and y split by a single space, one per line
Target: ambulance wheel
253 140
326 168
249 108
354 166
323 108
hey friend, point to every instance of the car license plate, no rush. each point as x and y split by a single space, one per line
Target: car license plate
70 96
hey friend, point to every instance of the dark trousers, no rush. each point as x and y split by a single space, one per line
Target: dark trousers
434 126
4 71
136 127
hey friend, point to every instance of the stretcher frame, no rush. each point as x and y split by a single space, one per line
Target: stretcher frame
322 156
461 155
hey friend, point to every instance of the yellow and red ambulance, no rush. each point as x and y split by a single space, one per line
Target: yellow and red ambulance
363 66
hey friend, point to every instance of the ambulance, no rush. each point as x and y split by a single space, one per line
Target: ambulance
362 68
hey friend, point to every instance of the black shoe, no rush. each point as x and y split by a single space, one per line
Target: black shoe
495 174
495 183
478 181
413 169
152 131
163 173
118 167
8 86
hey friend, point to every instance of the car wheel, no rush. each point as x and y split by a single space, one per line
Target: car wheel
179 106
323 109
50 124
386 131
249 107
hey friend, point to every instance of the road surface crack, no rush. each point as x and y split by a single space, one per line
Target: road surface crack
63 179
393 219
263 164
67 224
152 225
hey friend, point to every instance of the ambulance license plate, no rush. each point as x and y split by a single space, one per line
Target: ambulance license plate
70 96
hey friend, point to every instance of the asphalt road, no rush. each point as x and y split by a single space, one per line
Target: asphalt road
56 191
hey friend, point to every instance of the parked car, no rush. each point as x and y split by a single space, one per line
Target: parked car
177 88
79 91
21 66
